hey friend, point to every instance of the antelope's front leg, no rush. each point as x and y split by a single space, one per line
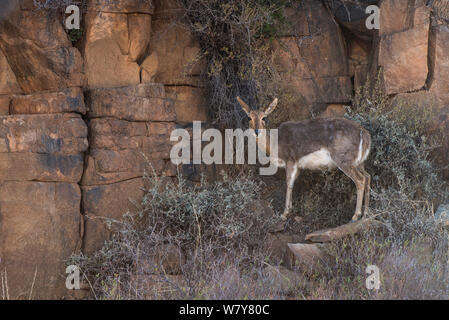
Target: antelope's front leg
292 171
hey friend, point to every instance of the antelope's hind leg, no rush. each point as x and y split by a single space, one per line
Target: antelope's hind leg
360 182
367 189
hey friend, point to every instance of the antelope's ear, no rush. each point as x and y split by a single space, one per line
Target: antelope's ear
272 106
244 106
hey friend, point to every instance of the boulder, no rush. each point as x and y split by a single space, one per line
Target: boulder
68 100
39 52
403 57
39 227
403 48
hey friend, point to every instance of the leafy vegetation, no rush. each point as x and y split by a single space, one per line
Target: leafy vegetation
233 35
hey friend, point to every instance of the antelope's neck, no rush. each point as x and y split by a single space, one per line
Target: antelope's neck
263 141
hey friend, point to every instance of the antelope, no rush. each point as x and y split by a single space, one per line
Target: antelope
315 144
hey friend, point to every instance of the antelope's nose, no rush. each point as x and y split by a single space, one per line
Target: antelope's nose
257 132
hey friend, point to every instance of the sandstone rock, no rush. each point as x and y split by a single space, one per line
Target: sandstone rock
112 45
311 59
124 142
69 100
361 74
26 166
8 81
189 103
40 225
177 49
107 201
439 62
351 14
123 6
359 51
107 26
5 101
58 134
332 90
333 111
359 61
108 166
108 67
314 65
114 134
39 52
296 26
149 68
144 102
403 57
404 45
398 16
139 35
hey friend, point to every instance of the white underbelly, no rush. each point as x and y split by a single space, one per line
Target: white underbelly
317 160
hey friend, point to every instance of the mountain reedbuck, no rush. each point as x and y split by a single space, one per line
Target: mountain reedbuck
318 143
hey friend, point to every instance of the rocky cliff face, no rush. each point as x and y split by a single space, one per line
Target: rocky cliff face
80 124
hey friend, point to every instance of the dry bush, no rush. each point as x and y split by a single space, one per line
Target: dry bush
204 241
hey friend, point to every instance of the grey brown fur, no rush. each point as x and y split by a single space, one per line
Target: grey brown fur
316 143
